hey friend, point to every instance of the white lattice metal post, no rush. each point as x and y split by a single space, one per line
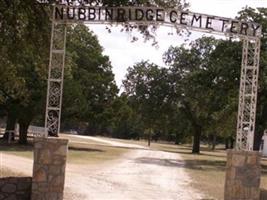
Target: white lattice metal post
55 77
248 94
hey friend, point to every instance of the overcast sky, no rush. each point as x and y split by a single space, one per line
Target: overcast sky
124 54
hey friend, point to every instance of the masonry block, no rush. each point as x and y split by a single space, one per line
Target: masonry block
243 171
50 155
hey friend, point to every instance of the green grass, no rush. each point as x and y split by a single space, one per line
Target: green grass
4 172
86 151
207 170
77 140
25 151
93 154
138 142
80 151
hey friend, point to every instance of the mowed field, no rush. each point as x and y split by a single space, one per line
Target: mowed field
206 171
80 151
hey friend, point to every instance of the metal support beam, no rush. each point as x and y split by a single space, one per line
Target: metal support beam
248 94
55 78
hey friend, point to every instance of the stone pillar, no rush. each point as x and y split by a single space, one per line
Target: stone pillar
49 168
243 173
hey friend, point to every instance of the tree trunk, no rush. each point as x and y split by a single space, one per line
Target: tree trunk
196 127
226 143
229 142
196 140
10 125
23 131
232 142
257 140
149 138
214 142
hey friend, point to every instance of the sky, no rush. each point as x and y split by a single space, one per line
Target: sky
123 53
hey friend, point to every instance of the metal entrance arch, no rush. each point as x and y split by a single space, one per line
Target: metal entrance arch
248 32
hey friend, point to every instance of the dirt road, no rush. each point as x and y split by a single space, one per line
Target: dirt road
141 174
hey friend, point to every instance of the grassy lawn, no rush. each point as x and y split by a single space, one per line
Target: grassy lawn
207 170
7 173
93 154
86 151
80 151
18 150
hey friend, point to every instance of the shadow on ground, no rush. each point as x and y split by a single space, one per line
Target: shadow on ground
15 147
160 162
85 149
204 153
263 194
190 164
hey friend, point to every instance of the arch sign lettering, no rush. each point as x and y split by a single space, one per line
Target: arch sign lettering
70 12
156 16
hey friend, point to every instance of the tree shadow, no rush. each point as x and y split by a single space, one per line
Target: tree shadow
205 165
202 153
213 155
85 149
264 169
160 162
202 165
15 147
263 194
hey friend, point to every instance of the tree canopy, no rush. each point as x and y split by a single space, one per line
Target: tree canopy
90 86
23 63
195 94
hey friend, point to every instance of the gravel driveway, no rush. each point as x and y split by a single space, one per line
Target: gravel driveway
141 174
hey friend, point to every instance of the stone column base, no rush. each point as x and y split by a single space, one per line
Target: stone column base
49 168
243 173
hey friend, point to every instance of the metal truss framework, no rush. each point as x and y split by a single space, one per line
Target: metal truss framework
247 93
55 78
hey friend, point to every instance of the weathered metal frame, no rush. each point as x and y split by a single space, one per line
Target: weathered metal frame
247 93
55 77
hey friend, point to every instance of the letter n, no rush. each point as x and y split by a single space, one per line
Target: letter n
59 13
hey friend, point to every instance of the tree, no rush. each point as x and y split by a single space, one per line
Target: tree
190 67
24 29
126 121
147 86
23 75
89 85
225 62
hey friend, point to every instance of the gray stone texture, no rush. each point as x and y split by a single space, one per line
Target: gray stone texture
15 188
243 173
50 156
